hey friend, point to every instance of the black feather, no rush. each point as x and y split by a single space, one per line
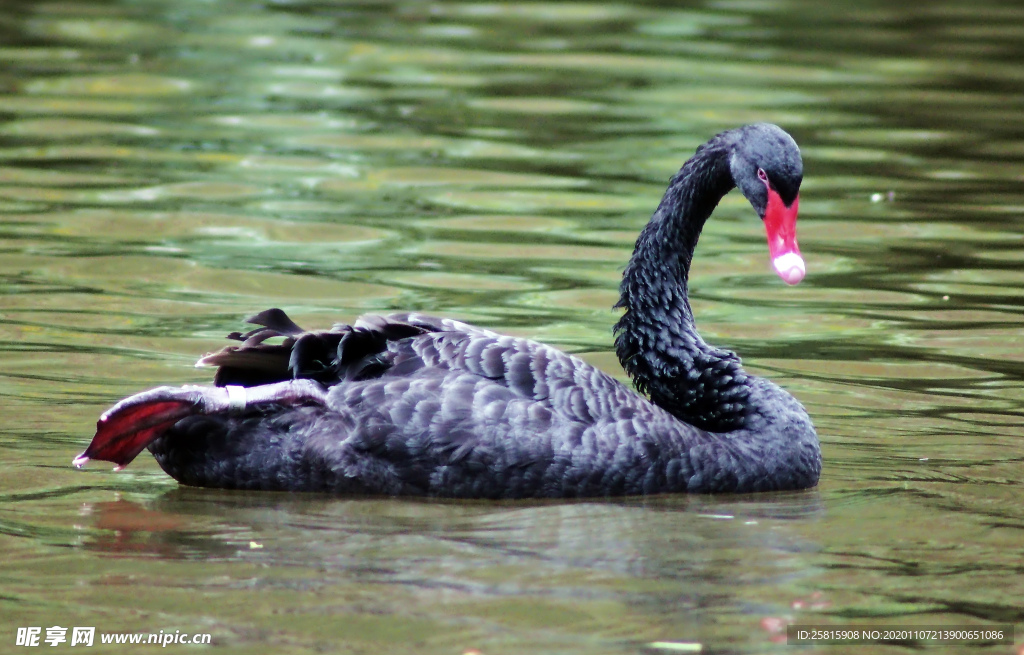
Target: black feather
276 320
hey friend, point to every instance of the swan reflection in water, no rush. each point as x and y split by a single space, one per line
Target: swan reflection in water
639 536
669 565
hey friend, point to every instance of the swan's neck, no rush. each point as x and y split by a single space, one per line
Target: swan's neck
656 339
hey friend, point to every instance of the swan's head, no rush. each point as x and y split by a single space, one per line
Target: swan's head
766 166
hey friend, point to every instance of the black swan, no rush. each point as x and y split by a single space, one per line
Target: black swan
414 405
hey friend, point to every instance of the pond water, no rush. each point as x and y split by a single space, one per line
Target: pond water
168 167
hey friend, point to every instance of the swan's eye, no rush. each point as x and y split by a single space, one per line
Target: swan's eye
761 175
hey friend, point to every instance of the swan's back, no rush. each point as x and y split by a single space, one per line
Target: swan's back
417 405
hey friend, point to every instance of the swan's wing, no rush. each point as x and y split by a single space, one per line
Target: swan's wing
467 412
433 323
453 374
401 344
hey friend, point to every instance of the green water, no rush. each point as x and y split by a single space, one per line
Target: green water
169 167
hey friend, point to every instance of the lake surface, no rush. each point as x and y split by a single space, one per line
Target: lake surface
168 167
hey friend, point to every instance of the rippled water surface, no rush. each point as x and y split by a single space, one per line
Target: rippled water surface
169 167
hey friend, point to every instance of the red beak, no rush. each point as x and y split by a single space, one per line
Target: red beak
780 222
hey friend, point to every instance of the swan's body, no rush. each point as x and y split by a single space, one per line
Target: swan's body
415 405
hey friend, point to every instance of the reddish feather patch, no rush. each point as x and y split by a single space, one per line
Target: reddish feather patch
125 433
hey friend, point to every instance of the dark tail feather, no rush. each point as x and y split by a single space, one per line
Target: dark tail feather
276 320
255 363
315 355
324 355
249 367
273 323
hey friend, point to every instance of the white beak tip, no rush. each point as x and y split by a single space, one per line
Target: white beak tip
790 267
